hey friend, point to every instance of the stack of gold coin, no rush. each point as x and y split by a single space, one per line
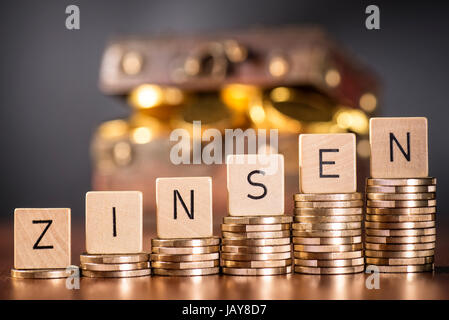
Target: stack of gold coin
185 257
256 245
115 265
327 233
40 273
400 224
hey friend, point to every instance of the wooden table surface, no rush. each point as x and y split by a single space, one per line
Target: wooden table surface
294 286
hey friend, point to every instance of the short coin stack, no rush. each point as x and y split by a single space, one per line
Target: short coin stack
115 265
400 224
256 245
185 257
327 233
39 273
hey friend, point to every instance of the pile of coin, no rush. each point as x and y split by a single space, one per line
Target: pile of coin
115 265
400 224
185 257
256 245
327 233
40 273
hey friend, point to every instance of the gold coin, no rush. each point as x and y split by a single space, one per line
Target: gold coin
399 261
330 263
256 264
324 219
400 218
400 247
399 254
400 233
401 182
400 240
113 258
327 211
256 235
302 226
185 250
115 266
256 256
258 219
327 196
399 225
199 242
328 248
256 242
255 227
401 189
327 241
254 249
401 204
329 204
327 233
257 271
186 272
185 265
401 196
116 274
39 273
403 269
408 211
328 255
184 257
329 270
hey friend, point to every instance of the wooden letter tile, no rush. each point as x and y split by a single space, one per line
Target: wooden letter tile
327 163
184 207
41 238
114 222
399 147
255 184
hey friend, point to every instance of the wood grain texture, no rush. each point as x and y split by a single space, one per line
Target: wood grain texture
387 158
108 235
42 238
174 213
332 172
255 185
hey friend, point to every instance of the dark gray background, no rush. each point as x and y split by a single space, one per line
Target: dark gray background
50 103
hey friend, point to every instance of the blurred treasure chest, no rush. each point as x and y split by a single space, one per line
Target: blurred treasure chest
294 79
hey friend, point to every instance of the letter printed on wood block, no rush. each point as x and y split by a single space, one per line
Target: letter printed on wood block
42 238
327 163
399 147
255 184
184 207
114 222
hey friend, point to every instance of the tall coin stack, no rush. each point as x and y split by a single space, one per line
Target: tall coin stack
327 233
256 245
115 265
185 257
400 224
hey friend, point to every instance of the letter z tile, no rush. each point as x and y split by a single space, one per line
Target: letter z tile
42 238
